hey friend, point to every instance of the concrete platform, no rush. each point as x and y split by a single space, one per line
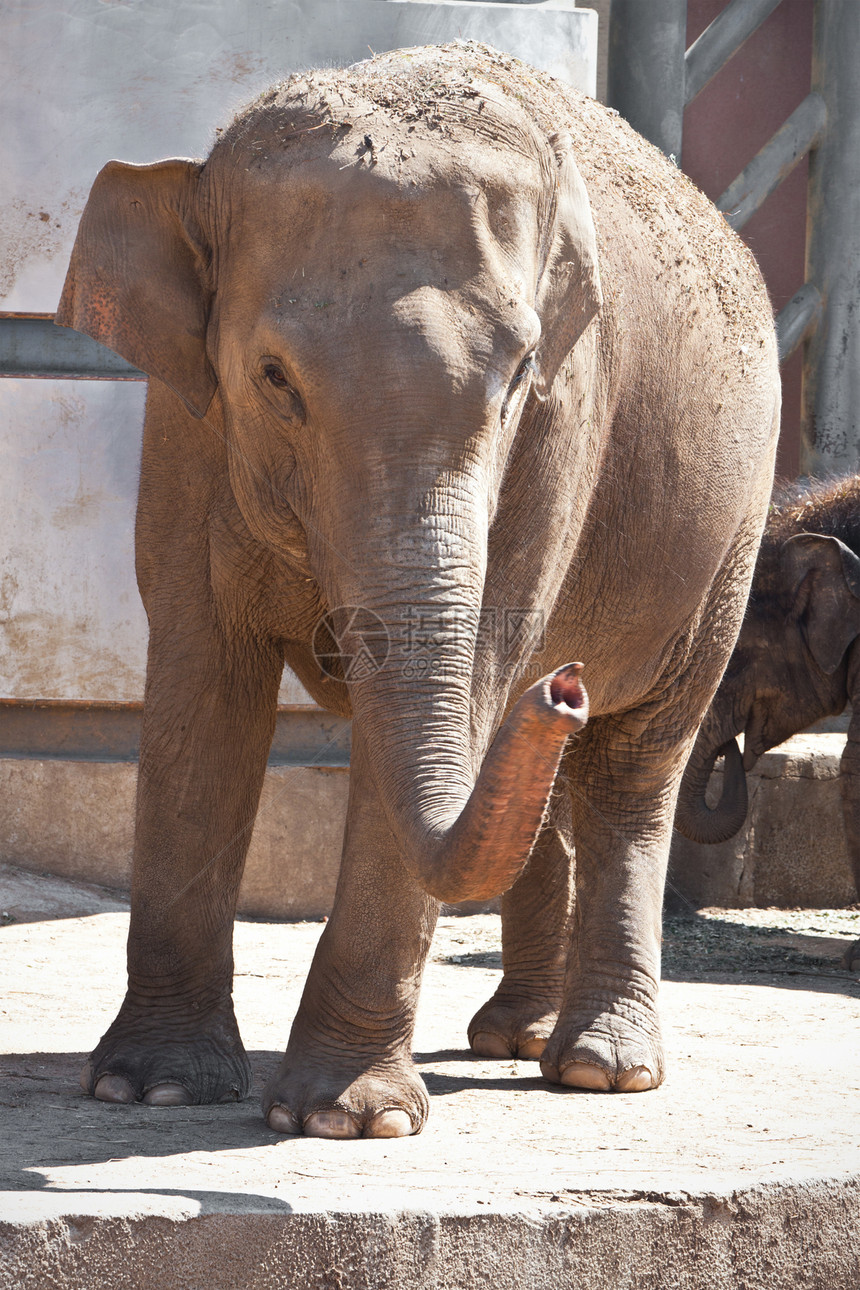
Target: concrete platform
743 1170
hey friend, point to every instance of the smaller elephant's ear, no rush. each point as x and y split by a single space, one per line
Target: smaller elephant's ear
823 577
137 277
569 293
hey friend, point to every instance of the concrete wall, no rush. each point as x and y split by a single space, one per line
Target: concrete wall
88 830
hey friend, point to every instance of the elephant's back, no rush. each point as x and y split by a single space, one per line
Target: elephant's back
688 262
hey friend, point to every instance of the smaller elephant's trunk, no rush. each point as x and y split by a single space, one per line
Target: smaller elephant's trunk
694 818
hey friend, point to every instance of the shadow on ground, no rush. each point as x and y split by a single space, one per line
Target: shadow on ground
62 1126
791 948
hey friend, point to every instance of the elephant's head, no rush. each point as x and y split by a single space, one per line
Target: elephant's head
368 280
788 670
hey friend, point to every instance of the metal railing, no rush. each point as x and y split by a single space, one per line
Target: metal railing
653 77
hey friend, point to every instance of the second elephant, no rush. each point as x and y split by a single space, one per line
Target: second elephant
796 661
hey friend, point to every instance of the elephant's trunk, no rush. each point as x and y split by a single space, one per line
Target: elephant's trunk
465 837
466 815
694 818
477 853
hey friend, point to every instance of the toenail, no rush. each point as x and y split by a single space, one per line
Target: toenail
486 1045
389 1124
87 1077
584 1075
114 1088
282 1120
331 1124
167 1094
531 1050
635 1080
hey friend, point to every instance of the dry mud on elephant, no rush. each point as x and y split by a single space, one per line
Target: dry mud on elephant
452 374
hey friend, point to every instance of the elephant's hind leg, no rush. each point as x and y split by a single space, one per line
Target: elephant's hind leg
536 927
622 798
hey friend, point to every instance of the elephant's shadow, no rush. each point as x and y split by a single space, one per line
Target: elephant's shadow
728 946
709 947
46 1123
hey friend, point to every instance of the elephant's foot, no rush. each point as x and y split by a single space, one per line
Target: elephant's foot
616 1048
514 1023
168 1060
323 1093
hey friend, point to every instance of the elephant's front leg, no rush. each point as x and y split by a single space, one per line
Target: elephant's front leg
622 798
208 720
348 1069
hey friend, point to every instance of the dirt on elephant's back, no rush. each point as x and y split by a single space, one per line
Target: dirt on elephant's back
612 156
440 92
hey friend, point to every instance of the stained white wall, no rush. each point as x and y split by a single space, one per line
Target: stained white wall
71 623
84 81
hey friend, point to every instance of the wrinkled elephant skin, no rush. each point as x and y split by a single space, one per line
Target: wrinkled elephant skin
797 660
478 371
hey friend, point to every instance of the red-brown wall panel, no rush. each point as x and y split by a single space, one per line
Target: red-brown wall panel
741 108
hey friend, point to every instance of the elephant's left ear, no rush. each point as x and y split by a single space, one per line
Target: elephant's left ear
568 294
823 577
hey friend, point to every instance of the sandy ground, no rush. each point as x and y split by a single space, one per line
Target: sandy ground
763 1032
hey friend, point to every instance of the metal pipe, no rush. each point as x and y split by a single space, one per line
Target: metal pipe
721 41
774 162
795 319
35 347
646 68
830 425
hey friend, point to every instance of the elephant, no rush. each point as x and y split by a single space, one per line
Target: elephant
442 353
797 660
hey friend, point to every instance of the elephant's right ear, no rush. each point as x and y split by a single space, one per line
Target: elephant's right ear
823 577
137 281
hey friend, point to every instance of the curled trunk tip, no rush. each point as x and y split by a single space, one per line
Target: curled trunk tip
486 841
568 696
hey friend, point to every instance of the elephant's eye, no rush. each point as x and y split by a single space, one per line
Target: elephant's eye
289 402
276 376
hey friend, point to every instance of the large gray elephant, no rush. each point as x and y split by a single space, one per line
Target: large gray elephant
797 660
431 340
